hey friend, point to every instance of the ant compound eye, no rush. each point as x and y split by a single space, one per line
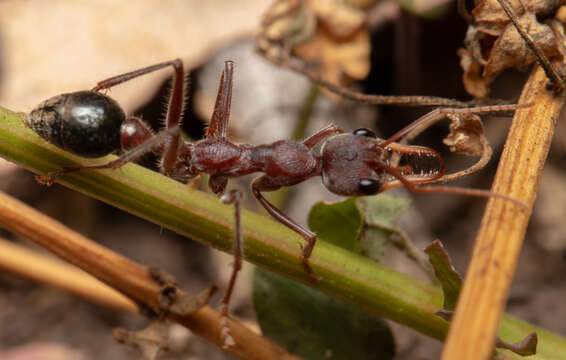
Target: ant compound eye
369 186
365 132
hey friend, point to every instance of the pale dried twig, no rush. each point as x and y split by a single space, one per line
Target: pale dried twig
498 243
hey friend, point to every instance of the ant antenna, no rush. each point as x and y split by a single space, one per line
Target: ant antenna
436 114
300 66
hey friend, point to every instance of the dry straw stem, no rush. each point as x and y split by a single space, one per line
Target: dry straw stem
498 243
127 277
45 269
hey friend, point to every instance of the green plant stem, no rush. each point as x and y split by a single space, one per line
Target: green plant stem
268 244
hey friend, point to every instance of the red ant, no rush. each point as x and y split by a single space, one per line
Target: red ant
90 124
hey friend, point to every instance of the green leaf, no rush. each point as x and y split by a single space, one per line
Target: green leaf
449 278
383 211
338 223
316 326
451 283
380 214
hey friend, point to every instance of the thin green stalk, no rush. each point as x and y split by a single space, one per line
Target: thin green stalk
268 244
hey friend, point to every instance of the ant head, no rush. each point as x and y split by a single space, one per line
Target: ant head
348 163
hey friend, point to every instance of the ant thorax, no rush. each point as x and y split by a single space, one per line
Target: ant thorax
288 161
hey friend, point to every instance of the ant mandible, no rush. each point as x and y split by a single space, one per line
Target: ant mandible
91 124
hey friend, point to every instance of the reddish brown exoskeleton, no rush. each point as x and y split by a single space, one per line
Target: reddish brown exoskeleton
91 124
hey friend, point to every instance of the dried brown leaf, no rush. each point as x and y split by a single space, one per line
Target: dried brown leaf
337 59
511 50
491 18
329 34
475 84
466 135
287 23
340 20
493 42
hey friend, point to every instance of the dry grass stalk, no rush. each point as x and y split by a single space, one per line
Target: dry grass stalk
128 277
498 243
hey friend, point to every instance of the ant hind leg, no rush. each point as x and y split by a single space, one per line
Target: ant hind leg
264 183
142 140
232 197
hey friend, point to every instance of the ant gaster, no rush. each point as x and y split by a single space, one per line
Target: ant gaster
90 124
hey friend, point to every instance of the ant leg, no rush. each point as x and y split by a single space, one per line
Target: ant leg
142 140
217 183
449 189
232 197
119 79
301 67
174 108
263 183
315 138
435 115
219 121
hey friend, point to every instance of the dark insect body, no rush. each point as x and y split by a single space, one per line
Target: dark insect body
90 124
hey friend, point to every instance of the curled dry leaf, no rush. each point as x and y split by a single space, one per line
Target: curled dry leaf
475 84
332 35
493 43
466 135
490 18
340 20
510 50
337 59
285 24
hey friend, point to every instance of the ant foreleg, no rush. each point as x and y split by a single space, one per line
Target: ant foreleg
263 183
232 197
